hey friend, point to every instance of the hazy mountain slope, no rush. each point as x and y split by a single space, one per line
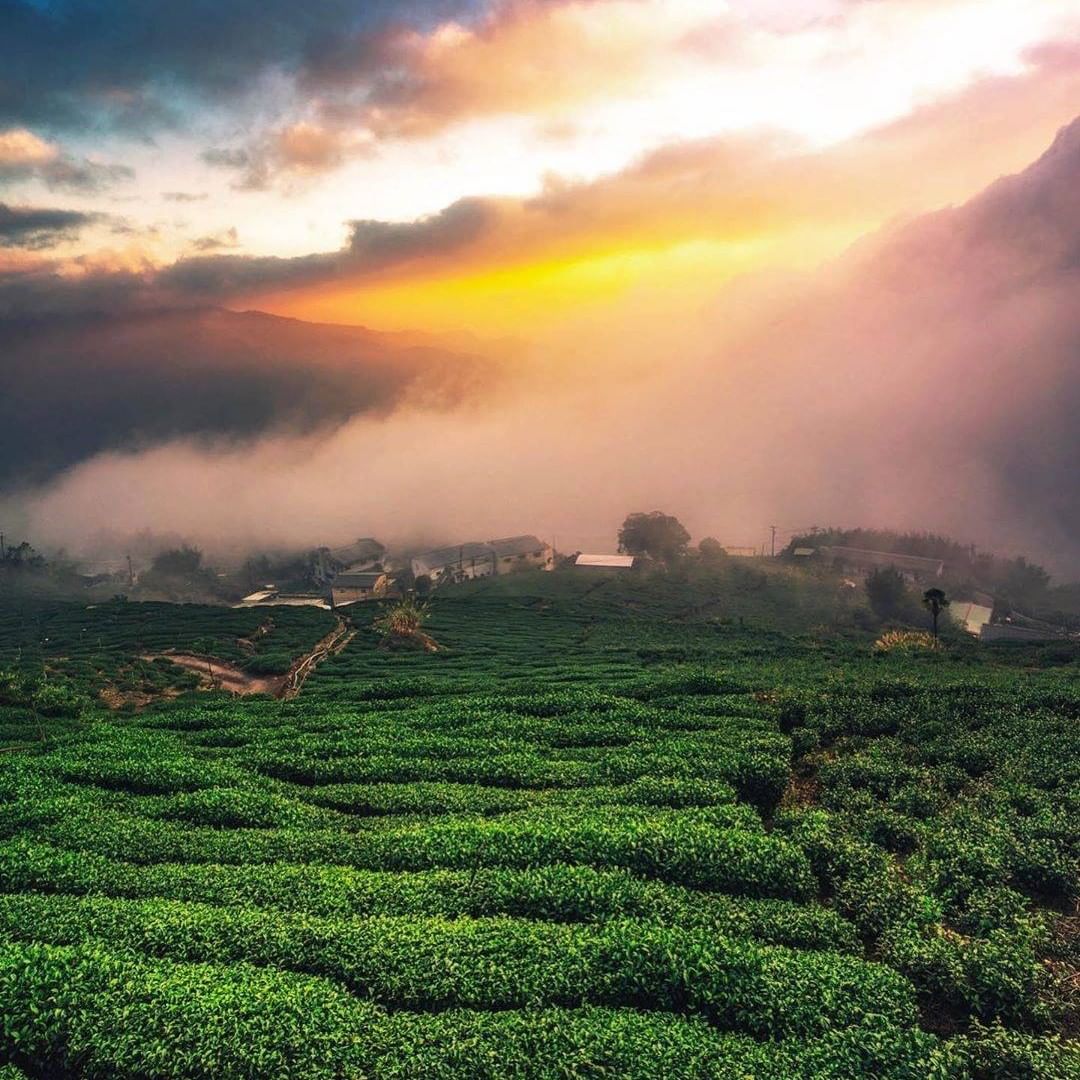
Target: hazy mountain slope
71 388
931 376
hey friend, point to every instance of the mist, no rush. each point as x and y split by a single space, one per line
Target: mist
927 379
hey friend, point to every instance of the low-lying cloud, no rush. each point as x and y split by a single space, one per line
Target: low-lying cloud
926 379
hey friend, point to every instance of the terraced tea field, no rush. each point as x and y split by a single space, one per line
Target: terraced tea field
601 833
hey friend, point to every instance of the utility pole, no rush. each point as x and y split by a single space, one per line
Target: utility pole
3 550
772 528
131 572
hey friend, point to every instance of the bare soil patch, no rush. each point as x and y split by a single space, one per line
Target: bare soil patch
216 674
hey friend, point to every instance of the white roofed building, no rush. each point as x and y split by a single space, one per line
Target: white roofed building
605 562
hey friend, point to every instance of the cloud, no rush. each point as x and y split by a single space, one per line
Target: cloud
226 239
25 156
760 194
138 68
297 150
373 246
926 379
37 228
184 196
410 82
224 157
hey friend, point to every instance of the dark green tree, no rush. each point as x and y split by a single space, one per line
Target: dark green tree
658 535
178 562
711 550
935 601
21 557
886 590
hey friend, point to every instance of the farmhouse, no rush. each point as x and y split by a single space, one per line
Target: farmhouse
605 562
462 562
517 552
362 554
353 586
914 568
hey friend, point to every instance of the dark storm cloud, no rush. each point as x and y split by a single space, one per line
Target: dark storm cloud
40 227
132 65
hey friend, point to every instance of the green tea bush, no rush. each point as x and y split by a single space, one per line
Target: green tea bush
561 893
102 1014
681 850
432 963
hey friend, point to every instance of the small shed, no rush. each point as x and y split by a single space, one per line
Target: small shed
971 616
261 596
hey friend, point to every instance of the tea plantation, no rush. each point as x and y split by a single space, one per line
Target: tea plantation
641 828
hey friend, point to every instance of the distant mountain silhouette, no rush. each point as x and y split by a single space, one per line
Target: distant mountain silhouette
73 387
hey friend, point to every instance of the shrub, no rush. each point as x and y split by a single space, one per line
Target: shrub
906 641
432 963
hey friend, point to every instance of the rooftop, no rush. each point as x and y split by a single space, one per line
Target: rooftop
451 556
615 562
867 557
366 579
359 551
517 545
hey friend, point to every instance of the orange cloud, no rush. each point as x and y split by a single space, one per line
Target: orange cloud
698 213
525 56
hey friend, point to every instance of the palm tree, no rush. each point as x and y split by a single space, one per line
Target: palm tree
935 601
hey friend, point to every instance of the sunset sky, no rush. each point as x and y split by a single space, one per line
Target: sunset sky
495 165
750 261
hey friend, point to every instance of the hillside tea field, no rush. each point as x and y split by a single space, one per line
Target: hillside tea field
605 832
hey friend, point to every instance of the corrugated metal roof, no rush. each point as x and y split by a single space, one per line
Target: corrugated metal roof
362 550
452 556
866 557
517 545
614 562
256 597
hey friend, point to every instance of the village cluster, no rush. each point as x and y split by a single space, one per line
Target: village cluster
364 570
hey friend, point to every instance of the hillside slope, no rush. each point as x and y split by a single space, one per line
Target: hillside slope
73 387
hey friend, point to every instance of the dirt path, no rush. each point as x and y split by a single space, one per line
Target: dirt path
217 674
330 645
